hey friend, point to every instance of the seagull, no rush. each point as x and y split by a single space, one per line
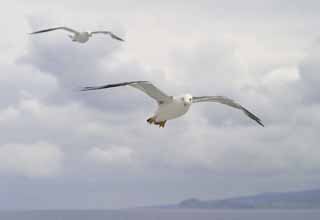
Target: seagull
171 107
80 37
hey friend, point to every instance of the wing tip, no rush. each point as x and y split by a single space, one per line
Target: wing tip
118 38
115 37
260 123
46 30
38 32
87 88
253 117
35 32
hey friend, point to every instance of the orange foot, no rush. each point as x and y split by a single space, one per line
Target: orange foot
162 124
151 120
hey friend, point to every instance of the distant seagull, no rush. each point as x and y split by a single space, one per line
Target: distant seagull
170 107
80 37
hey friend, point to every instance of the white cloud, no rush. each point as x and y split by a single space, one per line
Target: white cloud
33 160
259 60
281 76
8 114
115 156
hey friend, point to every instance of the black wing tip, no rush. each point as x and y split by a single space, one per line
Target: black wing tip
118 38
45 30
88 88
260 123
253 117
39 32
36 32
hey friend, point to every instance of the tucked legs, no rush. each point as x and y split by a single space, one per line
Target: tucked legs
152 120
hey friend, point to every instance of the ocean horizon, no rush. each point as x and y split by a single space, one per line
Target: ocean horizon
168 214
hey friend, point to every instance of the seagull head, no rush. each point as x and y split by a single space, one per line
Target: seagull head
89 33
187 99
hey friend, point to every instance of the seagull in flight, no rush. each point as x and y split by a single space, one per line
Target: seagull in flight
171 107
80 37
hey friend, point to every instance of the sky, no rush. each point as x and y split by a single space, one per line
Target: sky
65 149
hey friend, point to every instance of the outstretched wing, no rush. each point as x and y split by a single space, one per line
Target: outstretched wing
109 33
144 86
56 28
229 102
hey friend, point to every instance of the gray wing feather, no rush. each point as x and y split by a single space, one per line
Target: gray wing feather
108 32
229 102
56 28
144 86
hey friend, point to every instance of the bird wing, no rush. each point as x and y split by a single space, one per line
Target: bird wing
56 28
144 86
108 32
229 102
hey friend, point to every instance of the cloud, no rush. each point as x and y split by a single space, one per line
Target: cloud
23 81
260 60
8 114
112 157
310 79
33 160
218 71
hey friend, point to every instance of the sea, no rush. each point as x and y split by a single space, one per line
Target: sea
155 214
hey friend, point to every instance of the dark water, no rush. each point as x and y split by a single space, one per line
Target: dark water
164 214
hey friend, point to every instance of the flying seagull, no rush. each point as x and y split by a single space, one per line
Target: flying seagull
170 107
80 37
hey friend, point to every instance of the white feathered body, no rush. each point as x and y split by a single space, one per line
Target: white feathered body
172 110
81 37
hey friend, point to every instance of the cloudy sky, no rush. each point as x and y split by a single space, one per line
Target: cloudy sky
61 148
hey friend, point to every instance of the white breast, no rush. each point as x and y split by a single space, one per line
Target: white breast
82 37
172 110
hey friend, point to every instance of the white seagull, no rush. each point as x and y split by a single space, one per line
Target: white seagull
170 107
80 37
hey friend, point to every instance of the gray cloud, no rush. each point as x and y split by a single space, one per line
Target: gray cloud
39 159
98 147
